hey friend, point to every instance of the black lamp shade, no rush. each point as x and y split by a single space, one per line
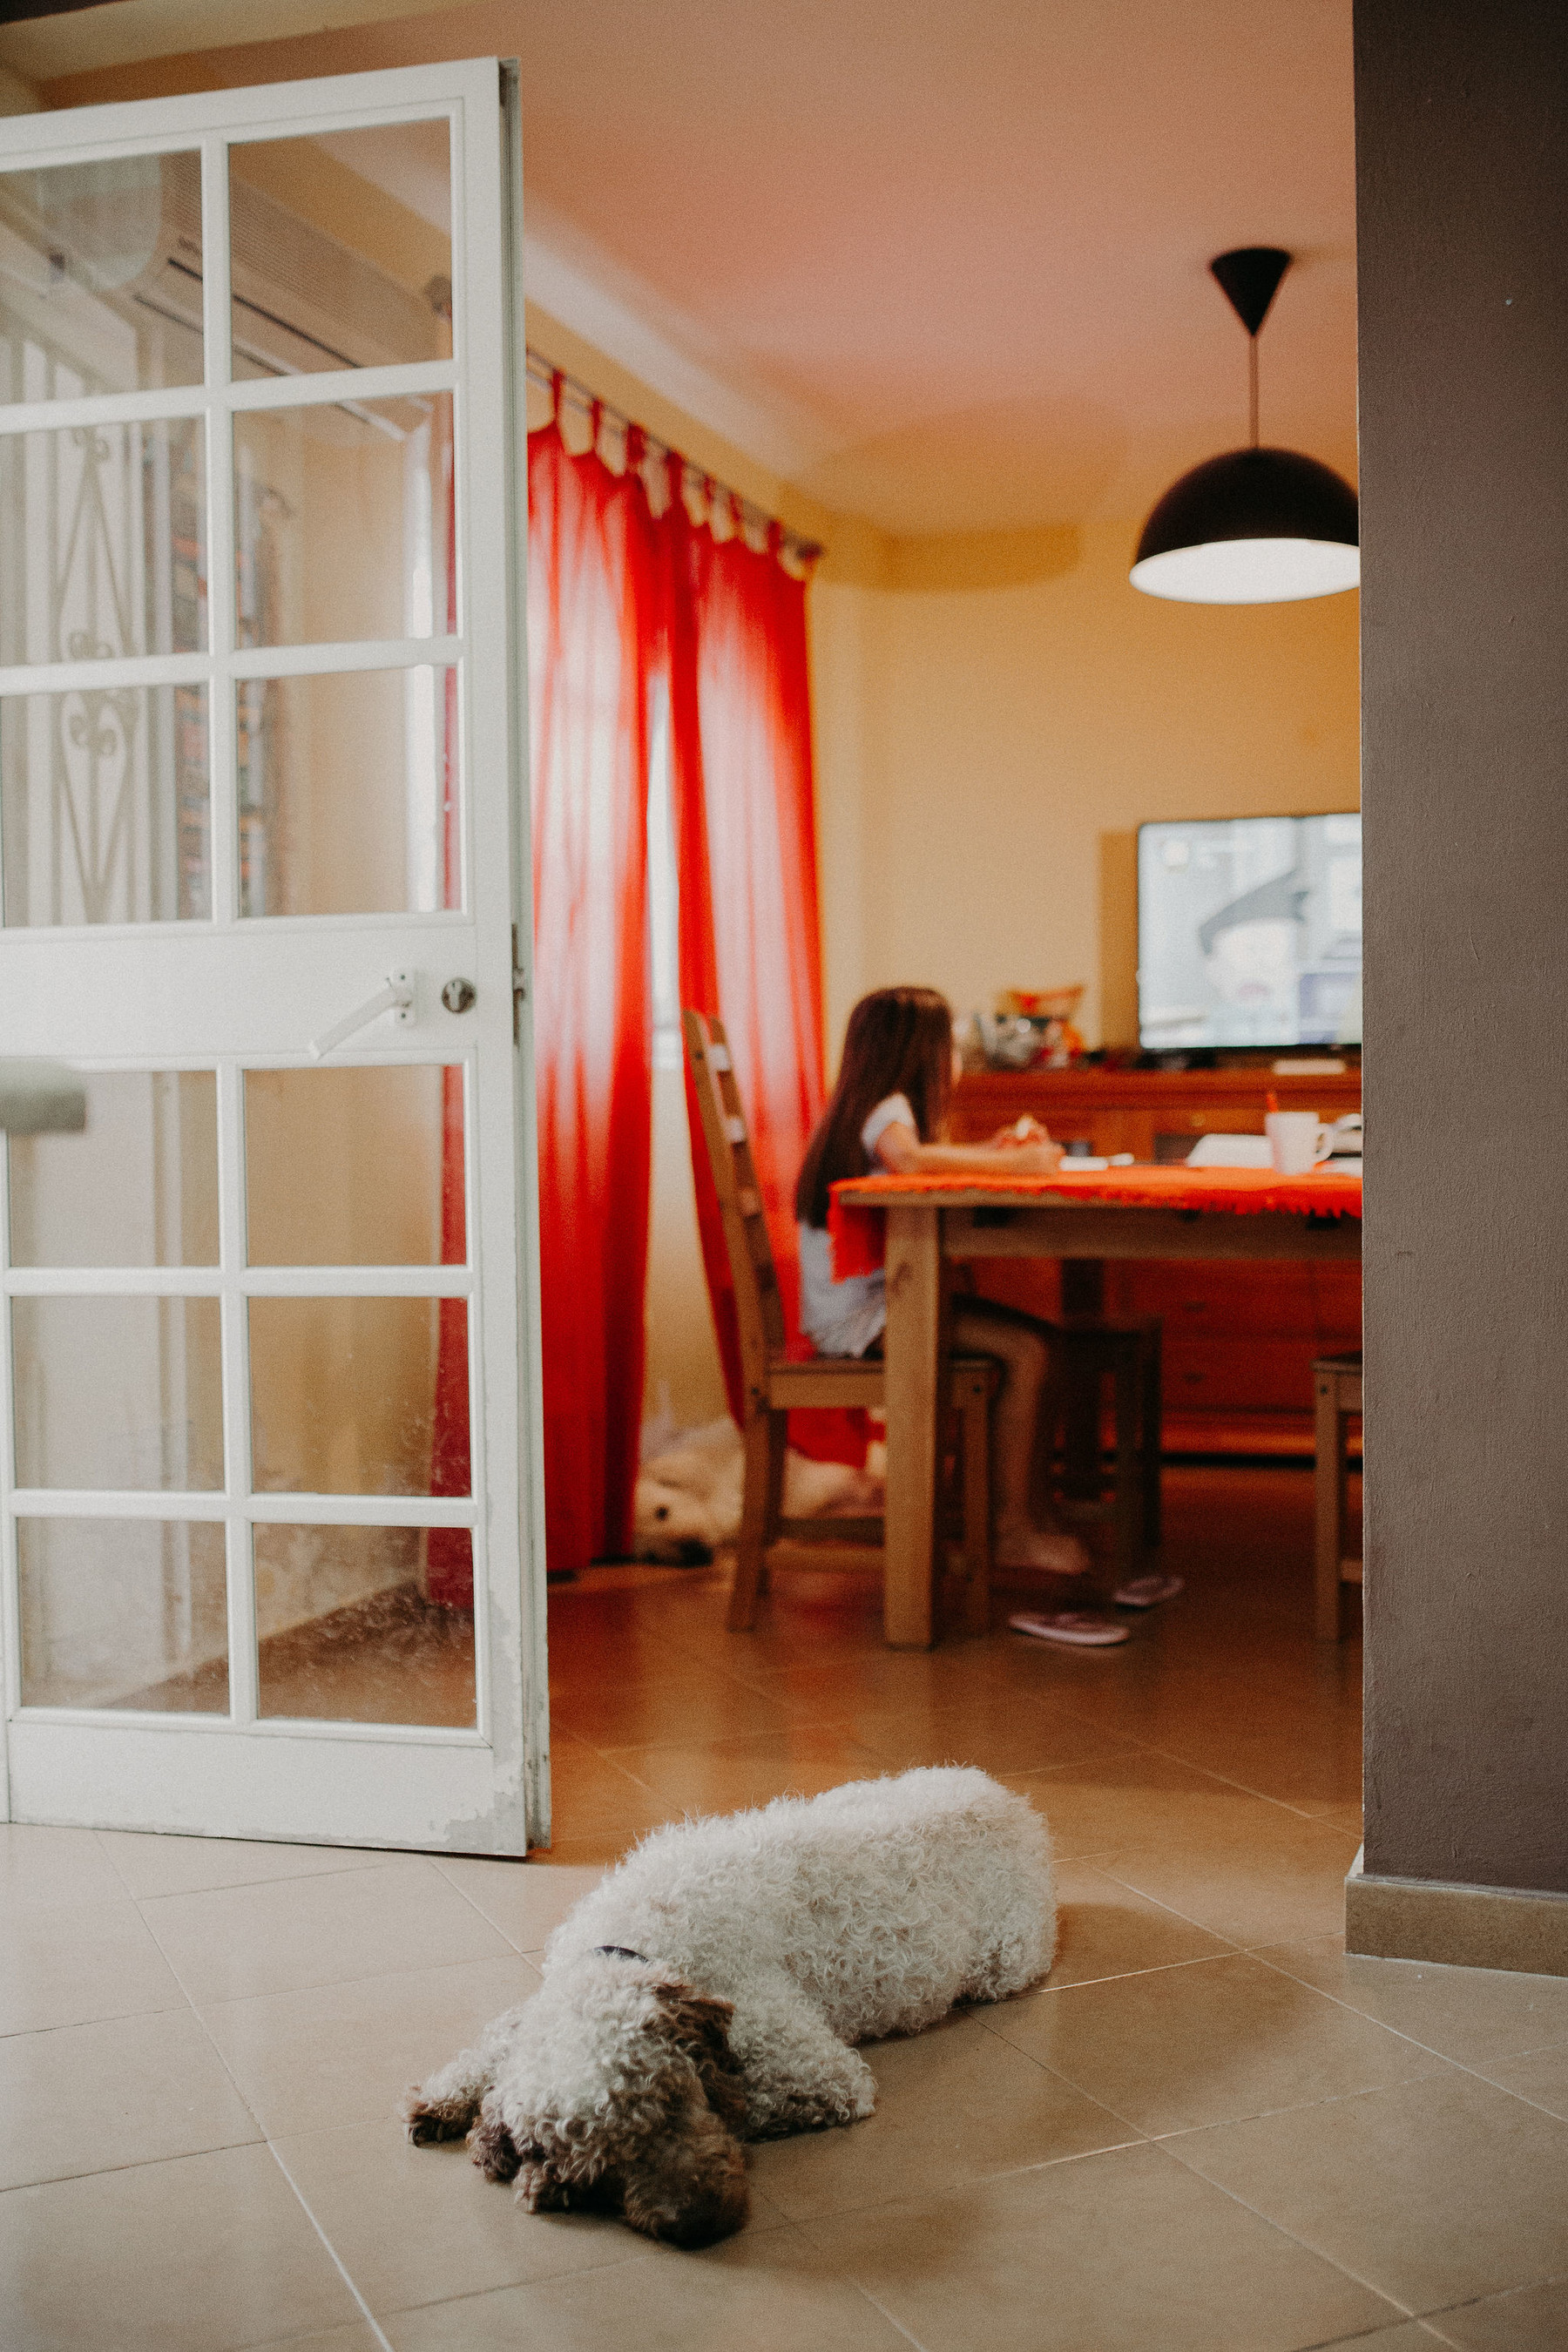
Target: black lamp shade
1254 527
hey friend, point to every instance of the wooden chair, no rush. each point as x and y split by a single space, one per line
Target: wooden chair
775 1387
1337 1380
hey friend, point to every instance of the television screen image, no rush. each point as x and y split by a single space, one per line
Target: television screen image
1249 932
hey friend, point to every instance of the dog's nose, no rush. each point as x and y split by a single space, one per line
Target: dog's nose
694 1554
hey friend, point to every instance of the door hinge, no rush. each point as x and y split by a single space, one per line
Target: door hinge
519 991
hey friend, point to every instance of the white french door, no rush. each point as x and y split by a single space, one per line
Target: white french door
269 1431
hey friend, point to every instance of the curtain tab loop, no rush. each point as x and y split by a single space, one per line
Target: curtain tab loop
557 386
775 538
595 419
636 449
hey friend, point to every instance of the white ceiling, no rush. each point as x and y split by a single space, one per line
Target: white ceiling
942 266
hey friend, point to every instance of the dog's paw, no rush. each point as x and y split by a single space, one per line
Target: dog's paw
428 2122
493 2150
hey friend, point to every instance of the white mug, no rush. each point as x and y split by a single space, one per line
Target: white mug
1298 1140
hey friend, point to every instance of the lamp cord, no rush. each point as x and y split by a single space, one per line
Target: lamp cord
1252 383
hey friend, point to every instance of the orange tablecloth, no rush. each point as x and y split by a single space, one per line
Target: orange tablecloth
859 1231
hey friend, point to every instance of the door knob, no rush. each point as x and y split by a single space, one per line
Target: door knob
459 995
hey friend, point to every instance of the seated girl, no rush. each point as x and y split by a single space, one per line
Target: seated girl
886 1116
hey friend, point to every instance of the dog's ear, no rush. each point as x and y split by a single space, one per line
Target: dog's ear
698 2025
687 2183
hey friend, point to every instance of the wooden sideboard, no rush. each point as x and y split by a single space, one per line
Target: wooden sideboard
1240 1339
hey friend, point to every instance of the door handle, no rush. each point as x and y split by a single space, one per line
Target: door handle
397 997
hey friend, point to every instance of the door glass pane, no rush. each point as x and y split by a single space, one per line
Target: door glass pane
342 249
123 1613
355 1167
340 520
101 278
118 1392
350 1626
360 1396
104 806
347 787
139 1188
103 538
104 792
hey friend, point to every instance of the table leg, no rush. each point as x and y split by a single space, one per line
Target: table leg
912 1351
1083 1293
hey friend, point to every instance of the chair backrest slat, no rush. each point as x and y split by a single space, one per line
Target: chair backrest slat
758 1307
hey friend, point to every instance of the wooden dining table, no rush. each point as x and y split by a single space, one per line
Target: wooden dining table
911 1225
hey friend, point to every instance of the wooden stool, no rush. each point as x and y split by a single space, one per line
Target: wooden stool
1091 1350
1337 1380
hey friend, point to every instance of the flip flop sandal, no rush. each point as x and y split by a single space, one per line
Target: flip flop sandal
1079 1629
1148 1591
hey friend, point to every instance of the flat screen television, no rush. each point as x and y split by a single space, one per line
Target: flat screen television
1249 932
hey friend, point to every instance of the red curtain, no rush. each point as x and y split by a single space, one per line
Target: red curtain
592 642
745 826
616 597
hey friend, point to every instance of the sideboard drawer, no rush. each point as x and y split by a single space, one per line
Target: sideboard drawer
1337 1292
1214 1298
1268 1375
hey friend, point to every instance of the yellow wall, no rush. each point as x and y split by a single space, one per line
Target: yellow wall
984 754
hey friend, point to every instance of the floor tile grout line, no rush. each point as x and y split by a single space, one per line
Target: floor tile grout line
635 2249
1127 2123
1159 1905
1297 2106
338 2264
264 2141
961 2181
1294 2237
1228 1781
1493 2295
272 2151
1463 2065
120 2017
342 1984
1108 1855
881 2309
382 1855
474 1905
1047 2163
285 1878
982 2011
1507 2089
137 2163
109 1857
1182 2130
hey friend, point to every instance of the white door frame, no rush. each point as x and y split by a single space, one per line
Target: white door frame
152 989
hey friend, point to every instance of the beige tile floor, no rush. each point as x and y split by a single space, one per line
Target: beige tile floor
1209 2129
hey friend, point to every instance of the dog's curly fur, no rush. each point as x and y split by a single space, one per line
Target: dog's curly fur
767 1943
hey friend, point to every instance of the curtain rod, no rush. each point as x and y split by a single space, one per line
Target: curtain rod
545 373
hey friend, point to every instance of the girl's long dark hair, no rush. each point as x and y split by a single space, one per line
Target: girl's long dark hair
899 1042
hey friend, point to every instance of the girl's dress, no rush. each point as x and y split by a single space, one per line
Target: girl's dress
845 1318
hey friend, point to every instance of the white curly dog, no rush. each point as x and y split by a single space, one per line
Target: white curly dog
710 1989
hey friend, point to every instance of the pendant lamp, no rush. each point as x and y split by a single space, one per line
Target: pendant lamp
1256 526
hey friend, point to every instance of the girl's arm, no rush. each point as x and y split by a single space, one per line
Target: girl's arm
902 1153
